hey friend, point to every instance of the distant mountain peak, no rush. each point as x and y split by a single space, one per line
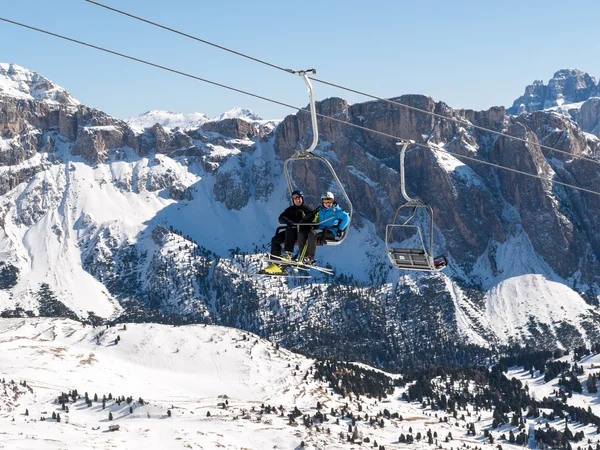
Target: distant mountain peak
238 113
565 87
18 82
166 119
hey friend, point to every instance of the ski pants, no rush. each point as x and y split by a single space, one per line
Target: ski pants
310 240
288 236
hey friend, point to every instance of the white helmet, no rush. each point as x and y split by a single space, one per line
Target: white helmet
328 195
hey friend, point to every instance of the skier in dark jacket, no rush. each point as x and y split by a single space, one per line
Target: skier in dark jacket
298 213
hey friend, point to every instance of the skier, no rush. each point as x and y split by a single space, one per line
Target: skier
331 222
296 214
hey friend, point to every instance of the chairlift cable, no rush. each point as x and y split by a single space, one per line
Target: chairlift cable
355 91
370 130
151 64
458 121
204 41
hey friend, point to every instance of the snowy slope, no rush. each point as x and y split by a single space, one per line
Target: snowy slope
44 231
524 287
191 371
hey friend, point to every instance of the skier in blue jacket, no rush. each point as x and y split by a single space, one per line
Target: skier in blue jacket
331 222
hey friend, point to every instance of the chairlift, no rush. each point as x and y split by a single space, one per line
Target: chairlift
412 258
306 155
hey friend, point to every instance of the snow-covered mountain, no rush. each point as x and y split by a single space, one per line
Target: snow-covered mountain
239 113
166 119
18 82
142 221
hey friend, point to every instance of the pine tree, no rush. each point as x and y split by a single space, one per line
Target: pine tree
568 434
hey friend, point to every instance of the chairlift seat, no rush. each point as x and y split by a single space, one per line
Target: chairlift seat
410 258
331 238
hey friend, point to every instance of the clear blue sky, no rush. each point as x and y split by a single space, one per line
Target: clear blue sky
469 54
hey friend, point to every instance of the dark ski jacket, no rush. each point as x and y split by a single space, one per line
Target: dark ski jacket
297 214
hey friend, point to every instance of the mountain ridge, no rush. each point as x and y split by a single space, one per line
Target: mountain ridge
163 222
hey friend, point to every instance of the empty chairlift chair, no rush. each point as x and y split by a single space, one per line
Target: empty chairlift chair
415 257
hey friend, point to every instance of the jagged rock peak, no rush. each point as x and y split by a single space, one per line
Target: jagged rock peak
565 87
166 119
18 82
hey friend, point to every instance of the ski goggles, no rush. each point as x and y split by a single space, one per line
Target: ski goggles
295 197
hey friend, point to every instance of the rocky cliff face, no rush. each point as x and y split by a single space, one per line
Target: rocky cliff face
146 218
470 201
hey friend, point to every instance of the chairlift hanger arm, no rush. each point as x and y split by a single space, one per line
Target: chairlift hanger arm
313 111
404 145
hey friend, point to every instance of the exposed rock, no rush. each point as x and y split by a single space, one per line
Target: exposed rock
233 128
588 116
11 179
160 140
13 154
90 145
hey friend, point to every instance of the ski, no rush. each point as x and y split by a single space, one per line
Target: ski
280 275
299 265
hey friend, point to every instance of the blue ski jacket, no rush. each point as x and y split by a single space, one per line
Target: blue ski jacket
334 217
